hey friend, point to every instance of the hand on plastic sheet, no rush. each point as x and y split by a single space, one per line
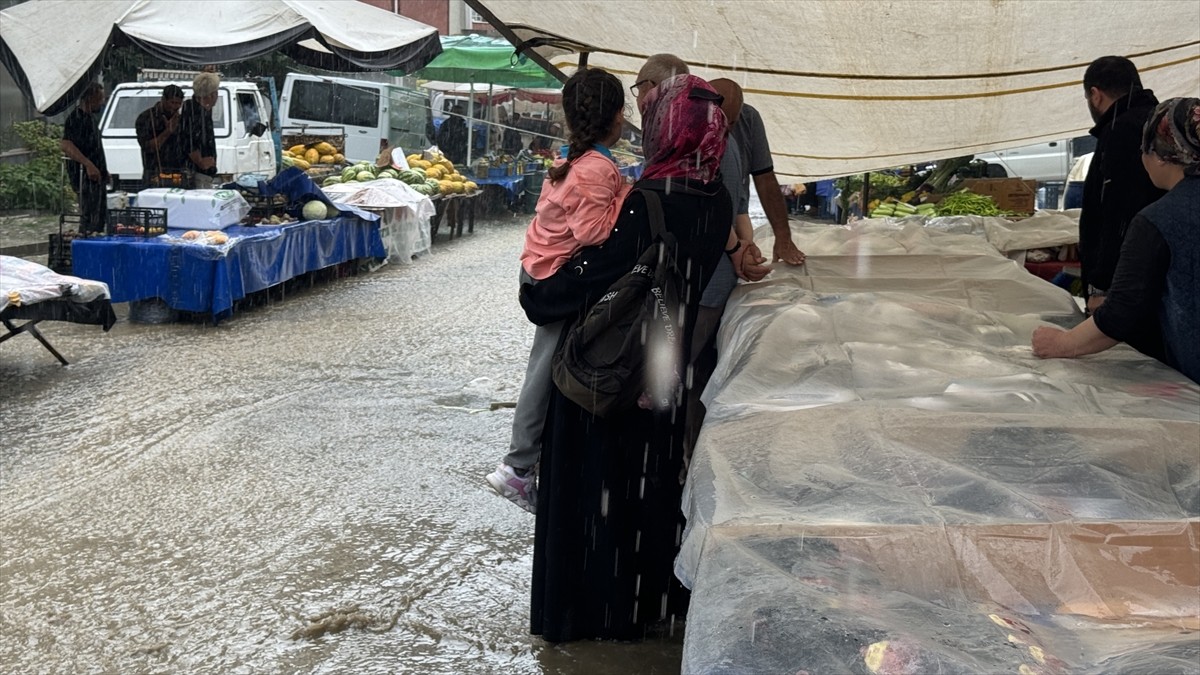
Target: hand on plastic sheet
785 250
1047 342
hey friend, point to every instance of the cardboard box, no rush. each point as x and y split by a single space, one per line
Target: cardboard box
1010 194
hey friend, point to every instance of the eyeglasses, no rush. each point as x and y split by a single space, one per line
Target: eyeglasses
636 85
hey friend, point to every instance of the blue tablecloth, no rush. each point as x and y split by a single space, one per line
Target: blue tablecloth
513 185
198 278
634 172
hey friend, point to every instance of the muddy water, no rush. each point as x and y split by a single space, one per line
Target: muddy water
299 489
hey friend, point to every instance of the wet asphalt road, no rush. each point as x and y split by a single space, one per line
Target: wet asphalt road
297 490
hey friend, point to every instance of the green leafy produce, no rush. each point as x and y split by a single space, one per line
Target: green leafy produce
314 210
967 203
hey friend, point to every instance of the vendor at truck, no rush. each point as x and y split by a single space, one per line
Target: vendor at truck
86 169
197 138
159 137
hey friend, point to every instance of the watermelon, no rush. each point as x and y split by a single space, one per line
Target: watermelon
364 176
419 171
349 173
411 177
332 180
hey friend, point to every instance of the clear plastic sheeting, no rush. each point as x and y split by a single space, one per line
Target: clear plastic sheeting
1043 229
888 481
23 282
924 600
405 214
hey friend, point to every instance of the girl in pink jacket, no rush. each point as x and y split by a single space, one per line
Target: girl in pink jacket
579 204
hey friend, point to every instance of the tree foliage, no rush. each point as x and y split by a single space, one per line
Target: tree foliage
36 184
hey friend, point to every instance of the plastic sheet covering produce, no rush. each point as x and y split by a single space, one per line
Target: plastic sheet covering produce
23 282
1041 230
888 481
406 214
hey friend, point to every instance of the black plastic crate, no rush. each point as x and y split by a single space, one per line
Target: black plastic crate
59 257
137 222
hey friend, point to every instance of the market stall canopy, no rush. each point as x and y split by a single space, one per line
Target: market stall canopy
499 92
850 86
479 59
53 48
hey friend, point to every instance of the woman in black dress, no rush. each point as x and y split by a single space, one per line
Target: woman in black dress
608 518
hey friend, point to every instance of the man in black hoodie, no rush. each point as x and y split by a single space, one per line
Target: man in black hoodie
1117 186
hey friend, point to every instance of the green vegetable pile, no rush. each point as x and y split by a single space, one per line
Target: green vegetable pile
967 203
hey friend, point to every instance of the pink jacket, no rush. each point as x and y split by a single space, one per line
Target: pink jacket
578 211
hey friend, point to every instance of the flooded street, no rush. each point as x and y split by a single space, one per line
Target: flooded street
297 490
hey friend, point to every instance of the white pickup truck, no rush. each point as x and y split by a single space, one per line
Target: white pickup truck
239 107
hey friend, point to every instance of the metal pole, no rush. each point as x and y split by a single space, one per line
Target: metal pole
866 194
470 120
491 115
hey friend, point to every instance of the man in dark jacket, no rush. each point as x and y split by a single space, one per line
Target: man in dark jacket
87 169
1117 186
158 135
452 137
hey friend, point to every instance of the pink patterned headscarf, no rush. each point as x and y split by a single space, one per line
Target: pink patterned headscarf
683 130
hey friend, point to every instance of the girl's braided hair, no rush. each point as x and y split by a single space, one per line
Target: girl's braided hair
591 99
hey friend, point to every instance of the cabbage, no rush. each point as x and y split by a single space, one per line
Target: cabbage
314 210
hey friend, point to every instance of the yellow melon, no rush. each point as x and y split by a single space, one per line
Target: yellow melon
326 159
312 156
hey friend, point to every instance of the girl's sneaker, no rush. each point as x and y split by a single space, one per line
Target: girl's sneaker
520 490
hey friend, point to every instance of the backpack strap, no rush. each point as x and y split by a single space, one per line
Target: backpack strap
658 223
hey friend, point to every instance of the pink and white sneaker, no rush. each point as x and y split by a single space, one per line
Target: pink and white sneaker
520 490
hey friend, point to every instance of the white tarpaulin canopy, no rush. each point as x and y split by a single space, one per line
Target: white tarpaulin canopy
855 85
53 48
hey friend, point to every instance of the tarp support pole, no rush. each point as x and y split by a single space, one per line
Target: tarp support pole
866 194
470 121
491 115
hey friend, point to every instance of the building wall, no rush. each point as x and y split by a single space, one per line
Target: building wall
450 17
436 13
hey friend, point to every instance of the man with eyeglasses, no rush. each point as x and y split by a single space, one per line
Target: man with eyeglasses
751 137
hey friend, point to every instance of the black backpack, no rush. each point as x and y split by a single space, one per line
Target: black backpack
603 361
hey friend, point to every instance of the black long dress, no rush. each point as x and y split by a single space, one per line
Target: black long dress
608 518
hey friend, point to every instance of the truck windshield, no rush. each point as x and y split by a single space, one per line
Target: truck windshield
335 104
123 110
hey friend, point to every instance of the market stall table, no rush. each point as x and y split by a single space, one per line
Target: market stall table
34 293
888 480
209 279
457 210
513 186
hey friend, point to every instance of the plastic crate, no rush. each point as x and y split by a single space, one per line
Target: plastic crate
58 257
137 222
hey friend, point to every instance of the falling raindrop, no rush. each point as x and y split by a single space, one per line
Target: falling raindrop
604 502
637 542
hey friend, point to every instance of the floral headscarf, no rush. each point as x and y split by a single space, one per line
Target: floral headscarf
683 130
1173 133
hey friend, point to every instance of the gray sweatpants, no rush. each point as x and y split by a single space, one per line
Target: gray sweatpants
534 401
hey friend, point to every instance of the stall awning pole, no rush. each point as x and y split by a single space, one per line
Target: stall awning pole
491 115
470 121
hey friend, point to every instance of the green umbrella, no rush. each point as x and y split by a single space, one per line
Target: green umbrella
484 60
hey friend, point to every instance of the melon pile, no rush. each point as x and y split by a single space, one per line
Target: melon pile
303 157
430 178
